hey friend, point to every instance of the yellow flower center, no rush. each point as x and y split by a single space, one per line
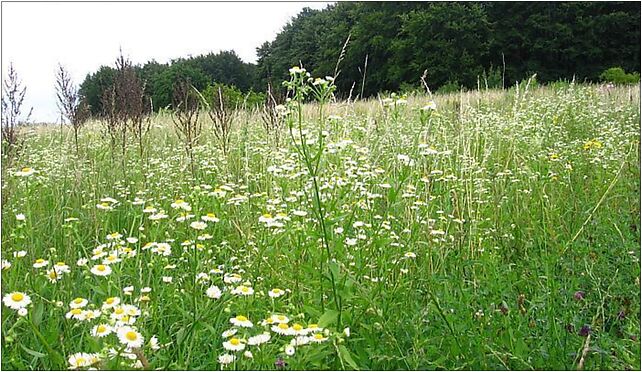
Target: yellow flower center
269 320
211 215
297 327
17 297
131 336
60 264
26 169
235 341
104 204
281 317
53 275
245 289
78 300
110 300
80 361
283 326
100 267
313 326
318 336
119 311
101 328
276 290
40 260
267 215
241 318
76 311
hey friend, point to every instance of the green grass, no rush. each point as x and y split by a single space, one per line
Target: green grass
510 202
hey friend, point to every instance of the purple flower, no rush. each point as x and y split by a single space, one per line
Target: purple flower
579 295
280 363
586 329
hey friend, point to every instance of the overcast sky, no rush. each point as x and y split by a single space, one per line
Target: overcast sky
84 36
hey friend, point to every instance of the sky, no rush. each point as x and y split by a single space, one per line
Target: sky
36 37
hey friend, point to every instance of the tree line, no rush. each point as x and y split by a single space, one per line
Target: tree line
391 44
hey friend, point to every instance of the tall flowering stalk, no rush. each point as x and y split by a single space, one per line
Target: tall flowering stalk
301 86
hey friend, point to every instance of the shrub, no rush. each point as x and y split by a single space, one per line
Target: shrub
449 87
617 75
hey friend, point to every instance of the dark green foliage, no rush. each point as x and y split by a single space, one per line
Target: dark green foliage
453 41
468 43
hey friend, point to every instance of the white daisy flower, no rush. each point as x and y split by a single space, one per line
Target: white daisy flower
213 292
241 321
276 292
259 339
16 300
234 344
130 337
101 330
78 303
101 270
226 359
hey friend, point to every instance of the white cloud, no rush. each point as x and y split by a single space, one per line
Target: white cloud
83 36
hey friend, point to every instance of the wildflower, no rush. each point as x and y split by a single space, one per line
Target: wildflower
290 350
104 206
280 318
213 292
259 339
53 276
23 311
181 204
78 303
318 337
280 363
20 217
76 313
298 330
248 354
153 343
241 321
16 300
431 105
25 172
198 225
82 262
130 337
346 331
61 267
234 344
243 290
282 329
210 217
410 255
276 292
101 270
6 264
101 330
40 263
114 236
111 302
232 278
81 360
229 333
225 359
167 279
579 295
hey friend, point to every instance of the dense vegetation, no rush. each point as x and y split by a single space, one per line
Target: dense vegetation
482 230
458 44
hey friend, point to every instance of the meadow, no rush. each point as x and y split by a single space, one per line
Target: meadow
491 229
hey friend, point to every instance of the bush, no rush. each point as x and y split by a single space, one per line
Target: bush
617 75
232 96
449 87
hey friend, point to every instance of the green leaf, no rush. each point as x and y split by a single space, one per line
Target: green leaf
37 313
33 352
328 318
344 354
